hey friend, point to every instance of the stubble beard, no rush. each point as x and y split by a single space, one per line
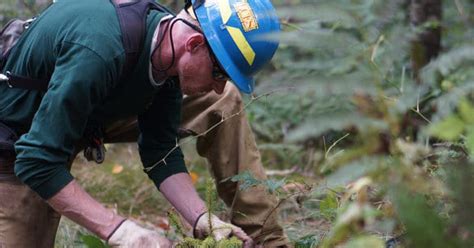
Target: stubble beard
187 83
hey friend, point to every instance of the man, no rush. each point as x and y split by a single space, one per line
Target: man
76 44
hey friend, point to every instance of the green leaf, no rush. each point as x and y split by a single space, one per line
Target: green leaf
328 206
448 62
466 110
424 227
308 241
273 185
92 241
470 140
245 179
338 121
448 129
353 170
366 241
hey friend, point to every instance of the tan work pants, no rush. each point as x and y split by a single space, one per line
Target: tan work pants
27 221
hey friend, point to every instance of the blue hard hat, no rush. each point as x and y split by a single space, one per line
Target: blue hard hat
235 31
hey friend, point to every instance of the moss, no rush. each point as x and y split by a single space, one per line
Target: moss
175 221
210 243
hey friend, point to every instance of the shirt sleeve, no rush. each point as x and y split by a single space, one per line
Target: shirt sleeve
80 81
159 135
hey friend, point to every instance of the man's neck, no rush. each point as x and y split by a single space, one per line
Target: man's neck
163 56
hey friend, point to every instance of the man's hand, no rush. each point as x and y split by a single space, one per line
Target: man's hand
180 192
211 225
131 235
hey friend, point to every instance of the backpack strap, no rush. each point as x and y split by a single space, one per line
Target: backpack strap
9 36
15 81
132 19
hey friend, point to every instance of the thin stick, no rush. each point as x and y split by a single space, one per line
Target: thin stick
178 144
376 47
277 206
334 144
417 111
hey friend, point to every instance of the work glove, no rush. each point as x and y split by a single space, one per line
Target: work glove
211 225
131 235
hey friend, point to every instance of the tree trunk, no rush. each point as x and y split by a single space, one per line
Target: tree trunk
427 44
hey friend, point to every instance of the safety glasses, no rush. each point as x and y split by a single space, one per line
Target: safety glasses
218 73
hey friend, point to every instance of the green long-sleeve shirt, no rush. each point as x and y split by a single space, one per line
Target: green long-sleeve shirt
77 44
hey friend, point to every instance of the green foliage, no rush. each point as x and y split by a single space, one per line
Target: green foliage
310 241
448 129
91 241
451 127
366 241
273 185
210 243
347 102
175 222
189 243
427 233
211 195
247 180
328 206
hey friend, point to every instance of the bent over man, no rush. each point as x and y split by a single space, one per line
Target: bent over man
78 47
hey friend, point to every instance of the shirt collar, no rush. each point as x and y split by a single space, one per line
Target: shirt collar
153 43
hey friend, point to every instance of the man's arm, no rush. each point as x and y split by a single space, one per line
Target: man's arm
73 202
164 164
80 82
180 192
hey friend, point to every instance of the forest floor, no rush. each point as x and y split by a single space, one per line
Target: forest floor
121 184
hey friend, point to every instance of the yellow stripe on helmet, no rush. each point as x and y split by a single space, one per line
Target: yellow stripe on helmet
224 8
242 43
235 33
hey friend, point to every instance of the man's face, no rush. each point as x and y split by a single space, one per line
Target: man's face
197 72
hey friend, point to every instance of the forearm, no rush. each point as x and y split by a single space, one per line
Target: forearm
178 189
180 192
76 204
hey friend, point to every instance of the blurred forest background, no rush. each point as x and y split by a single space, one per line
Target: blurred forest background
365 121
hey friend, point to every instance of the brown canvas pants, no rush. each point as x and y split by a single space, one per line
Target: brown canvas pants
27 221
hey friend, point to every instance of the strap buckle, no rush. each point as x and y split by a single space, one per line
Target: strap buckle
28 23
6 79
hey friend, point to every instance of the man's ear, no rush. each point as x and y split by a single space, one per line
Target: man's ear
194 41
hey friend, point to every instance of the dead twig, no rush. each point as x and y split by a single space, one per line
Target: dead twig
178 144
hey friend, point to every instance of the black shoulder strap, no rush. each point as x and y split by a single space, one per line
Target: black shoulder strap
16 81
132 18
